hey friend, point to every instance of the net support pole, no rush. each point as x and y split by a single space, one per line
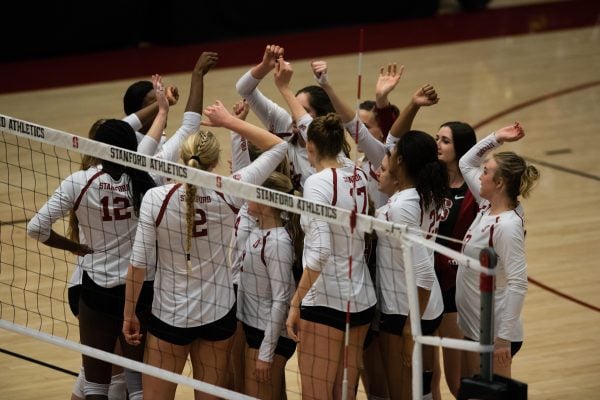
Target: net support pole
414 317
486 385
487 258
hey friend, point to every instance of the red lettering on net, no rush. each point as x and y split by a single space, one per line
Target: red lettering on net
75 142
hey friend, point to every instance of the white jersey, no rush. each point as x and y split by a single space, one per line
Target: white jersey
377 197
404 208
171 148
76 277
327 247
136 124
505 233
374 150
267 285
278 120
146 144
430 216
107 221
244 223
188 298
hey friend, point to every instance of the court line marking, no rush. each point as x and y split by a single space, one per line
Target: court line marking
33 360
526 104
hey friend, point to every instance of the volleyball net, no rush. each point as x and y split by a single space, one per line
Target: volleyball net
34 278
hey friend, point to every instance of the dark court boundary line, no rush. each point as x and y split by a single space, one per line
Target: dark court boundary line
550 165
536 100
42 363
563 169
563 295
15 222
540 99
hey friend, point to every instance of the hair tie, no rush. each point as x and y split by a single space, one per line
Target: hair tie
195 157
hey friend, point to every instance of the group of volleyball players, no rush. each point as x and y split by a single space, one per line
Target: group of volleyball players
179 271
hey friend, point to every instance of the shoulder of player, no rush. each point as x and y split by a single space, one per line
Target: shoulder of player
510 221
407 195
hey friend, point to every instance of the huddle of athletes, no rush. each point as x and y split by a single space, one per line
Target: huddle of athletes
169 271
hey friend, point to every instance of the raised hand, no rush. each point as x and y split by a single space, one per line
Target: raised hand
283 73
272 54
425 96
206 62
319 69
161 96
241 109
172 95
217 115
387 80
510 133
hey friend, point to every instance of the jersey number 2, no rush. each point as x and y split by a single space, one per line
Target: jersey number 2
197 222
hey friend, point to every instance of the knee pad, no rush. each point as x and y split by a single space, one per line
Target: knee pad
134 384
93 388
79 383
117 389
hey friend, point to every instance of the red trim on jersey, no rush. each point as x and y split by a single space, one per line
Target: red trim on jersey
486 282
358 170
373 173
234 209
334 199
85 188
262 250
422 212
163 206
520 217
491 241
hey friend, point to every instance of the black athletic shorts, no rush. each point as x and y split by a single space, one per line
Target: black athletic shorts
254 337
220 329
394 324
334 318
